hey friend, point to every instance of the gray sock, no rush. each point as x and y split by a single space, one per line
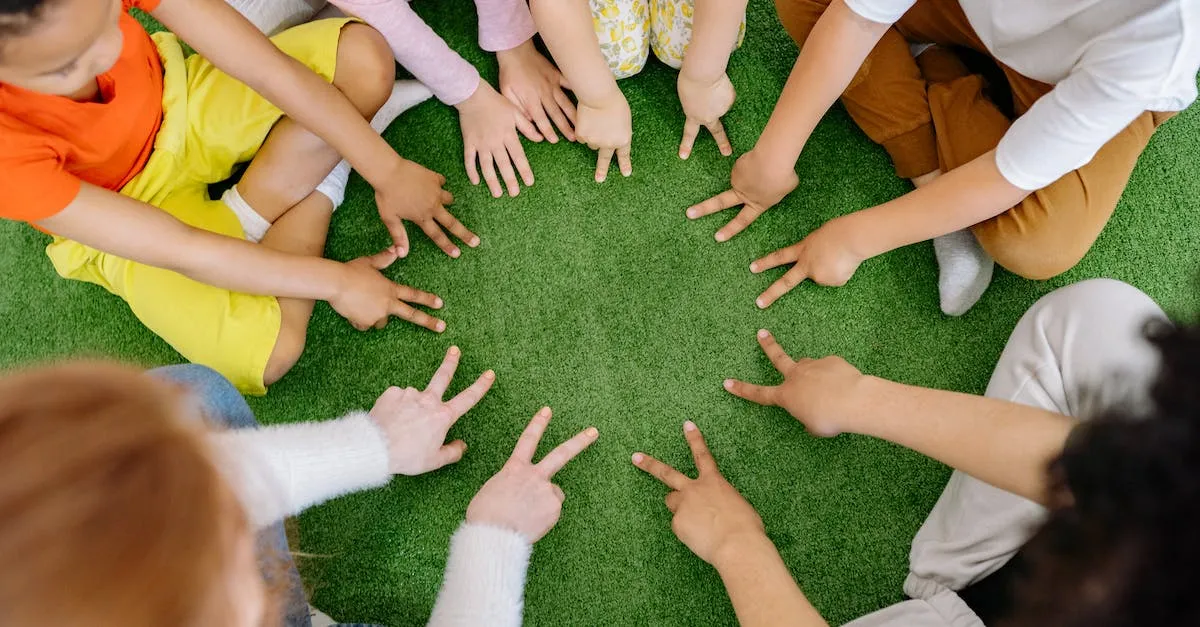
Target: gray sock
964 271
405 95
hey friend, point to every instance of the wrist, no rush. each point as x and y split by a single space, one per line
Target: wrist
864 234
605 98
517 54
864 409
740 547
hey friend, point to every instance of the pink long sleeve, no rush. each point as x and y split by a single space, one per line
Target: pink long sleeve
418 48
504 24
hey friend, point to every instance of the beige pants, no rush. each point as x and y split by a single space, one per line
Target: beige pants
629 29
1077 351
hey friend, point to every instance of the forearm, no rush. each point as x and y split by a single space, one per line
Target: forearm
566 28
954 201
835 50
485 579
761 588
280 471
999 442
715 28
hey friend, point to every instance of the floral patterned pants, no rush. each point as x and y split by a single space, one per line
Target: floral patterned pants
629 29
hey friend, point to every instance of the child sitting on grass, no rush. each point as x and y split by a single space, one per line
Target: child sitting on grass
694 36
109 139
1090 83
535 101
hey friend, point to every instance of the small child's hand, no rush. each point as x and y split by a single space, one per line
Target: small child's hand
756 185
367 299
416 193
520 497
826 257
704 104
820 393
535 86
710 517
415 422
607 127
489 127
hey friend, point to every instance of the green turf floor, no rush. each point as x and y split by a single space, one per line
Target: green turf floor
604 302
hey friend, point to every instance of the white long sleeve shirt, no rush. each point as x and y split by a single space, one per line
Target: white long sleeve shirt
1109 61
281 470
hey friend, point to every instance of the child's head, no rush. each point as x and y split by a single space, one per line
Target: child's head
58 47
112 511
1120 547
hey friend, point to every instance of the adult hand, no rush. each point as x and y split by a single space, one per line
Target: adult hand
520 497
607 127
489 128
756 185
535 86
415 193
820 393
826 257
711 517
415 422
705 102
368 299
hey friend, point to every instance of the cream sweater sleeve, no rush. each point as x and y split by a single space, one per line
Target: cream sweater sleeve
485 579
279 471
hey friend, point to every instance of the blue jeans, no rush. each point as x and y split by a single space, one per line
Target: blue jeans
224 407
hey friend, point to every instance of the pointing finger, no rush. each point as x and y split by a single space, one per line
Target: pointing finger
669 476
718 132
779 358
604 159
725 200
704 459
528 442
794 277
754 393
748 214
444 374
403 311
467 399
781 257
691 129
624 161
565 452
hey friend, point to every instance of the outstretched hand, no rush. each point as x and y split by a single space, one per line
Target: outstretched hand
415 422
368 299
416 194
521 497
489 127
755 186
711 517
825 257
820 393
532 83
704 103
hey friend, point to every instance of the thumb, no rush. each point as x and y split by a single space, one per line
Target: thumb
451 453
382 260
399 238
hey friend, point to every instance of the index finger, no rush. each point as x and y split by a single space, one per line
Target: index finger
624 160
718 132
445 373
404 311
447 219
743 219
774 351
794 277
725 200
704 459
604 159
470 397
565 452
669 476
691 129
528 442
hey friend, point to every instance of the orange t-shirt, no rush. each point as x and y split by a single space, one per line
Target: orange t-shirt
49 144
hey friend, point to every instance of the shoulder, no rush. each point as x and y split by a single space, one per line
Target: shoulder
1155 44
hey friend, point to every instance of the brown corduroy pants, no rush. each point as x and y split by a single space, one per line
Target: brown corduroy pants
931 113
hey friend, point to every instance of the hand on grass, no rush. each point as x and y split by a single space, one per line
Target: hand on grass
520 497
415 194
415 422
705 102
535 86
825 257
711 517
368 299
489 128
607 128
756 185
820 393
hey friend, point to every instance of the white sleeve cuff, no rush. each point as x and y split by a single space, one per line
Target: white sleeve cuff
881 11
281 470
485 578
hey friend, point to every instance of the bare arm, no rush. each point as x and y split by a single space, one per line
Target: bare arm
761 588
566 27
133 230
715 30
234 45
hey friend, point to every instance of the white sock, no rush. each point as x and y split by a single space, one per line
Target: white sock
919 49
254 226
405 95
965 271
319 618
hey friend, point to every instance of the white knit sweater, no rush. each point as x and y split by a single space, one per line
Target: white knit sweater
281 470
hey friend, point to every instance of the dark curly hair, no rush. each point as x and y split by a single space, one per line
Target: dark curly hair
17 16
1123 538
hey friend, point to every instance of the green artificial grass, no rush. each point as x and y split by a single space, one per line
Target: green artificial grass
604 302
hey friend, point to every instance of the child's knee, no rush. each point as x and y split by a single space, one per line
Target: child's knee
366 67
1033 255
289 346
